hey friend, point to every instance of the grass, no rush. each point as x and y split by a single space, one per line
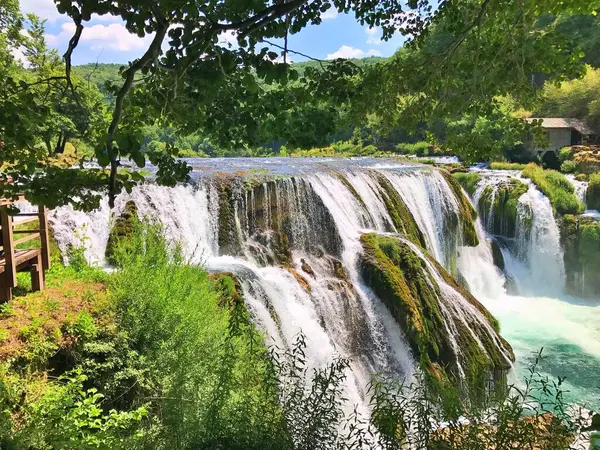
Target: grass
42 319
468 180
556 187
501 165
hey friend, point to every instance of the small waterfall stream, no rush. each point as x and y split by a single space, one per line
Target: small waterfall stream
535 312
294 242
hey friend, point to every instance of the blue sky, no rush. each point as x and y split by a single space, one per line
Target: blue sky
105 38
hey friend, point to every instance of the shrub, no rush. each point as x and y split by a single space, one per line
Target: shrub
468 180
418 148
568 166
500 165
199 348
557 188
565 154
593 192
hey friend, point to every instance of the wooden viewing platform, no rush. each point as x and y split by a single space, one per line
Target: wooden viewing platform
13 259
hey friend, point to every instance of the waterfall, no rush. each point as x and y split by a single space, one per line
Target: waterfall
580 187
293 238
536 313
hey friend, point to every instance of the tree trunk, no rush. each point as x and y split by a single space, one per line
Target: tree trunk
60 145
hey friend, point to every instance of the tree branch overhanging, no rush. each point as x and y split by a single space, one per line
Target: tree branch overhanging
73 42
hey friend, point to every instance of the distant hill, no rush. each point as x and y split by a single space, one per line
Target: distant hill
101 73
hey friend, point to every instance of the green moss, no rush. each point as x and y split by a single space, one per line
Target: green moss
402 218
497 255
467 213
589 251
593 192
580 240
229 241
468 180
501 203
569 239
556 187
122 229
401 279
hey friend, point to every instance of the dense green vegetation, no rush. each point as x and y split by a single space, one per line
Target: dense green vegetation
430 91
497 165
158 354
556 187
592 195
468 180
498 206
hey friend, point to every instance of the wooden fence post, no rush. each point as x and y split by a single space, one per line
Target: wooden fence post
44 237
10 272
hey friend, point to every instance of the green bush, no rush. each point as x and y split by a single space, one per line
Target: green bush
593 192
468 180
568 166
557 188
417 148
198 349
500 165
565 154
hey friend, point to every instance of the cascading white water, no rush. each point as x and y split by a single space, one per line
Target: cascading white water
538 241
325 217
432 204
540 315
580 187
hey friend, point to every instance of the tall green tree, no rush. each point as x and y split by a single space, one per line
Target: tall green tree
463 55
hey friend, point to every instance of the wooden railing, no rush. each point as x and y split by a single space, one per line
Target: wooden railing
12 260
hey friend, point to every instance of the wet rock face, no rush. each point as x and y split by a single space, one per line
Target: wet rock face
401 216
467 214
275 217
499 207
580 239
452 341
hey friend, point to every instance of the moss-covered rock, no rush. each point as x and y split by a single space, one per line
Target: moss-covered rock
340 176
467 213
592 195
498 207
282 214
589 251
580 240
497 255
569 239
402 219
122 229
402 279
229 240
468 180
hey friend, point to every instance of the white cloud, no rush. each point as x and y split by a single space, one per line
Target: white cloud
346 52
373 36
46 9
105 18
114 37
331 13
373 52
